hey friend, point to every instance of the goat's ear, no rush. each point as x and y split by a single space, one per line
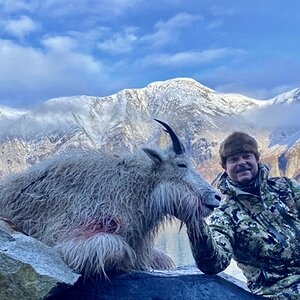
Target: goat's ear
154 155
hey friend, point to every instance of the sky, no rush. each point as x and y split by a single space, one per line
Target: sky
55 48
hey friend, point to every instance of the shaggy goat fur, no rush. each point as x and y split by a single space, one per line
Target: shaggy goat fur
101 211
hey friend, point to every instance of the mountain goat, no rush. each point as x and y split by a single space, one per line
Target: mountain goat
100 211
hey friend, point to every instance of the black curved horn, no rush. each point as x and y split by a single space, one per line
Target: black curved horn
177 145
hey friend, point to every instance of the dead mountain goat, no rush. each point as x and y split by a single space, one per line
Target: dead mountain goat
101 212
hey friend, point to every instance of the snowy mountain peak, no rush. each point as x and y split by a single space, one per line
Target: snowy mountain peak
11 113
289 97
181 81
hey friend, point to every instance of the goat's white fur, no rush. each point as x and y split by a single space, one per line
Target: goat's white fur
101 211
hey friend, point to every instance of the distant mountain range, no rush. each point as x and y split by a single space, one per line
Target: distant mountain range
124 121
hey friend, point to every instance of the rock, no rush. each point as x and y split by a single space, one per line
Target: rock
32 270
159 285
28 268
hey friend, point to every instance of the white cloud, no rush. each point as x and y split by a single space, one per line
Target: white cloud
220 11
233 85
284 115
190 58
165 33
59 43
87 40
262 80
32 74
21 26
120 42
215 24
168 31
9 6
104 9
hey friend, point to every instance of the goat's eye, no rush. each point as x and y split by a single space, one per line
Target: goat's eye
182 165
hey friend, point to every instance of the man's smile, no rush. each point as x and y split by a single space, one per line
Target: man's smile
244 169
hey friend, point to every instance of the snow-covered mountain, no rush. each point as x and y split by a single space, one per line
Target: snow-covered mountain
125 122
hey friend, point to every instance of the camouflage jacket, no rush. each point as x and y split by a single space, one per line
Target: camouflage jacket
255 231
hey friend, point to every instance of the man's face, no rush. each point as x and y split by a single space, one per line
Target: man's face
242 167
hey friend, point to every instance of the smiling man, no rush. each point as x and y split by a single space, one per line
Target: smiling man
257 223
239 158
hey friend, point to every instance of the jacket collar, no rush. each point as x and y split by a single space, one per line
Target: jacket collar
230 188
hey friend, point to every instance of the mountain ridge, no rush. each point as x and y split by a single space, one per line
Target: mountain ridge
125 122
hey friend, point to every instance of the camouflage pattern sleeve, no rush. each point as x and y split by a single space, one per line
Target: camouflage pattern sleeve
295 187
211 245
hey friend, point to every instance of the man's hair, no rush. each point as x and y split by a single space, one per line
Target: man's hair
237 142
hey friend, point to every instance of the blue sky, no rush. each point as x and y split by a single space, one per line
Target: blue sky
54 48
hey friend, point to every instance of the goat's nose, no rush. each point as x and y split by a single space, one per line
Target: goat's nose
214 202
218 197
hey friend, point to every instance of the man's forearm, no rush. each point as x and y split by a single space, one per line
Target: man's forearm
211 256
